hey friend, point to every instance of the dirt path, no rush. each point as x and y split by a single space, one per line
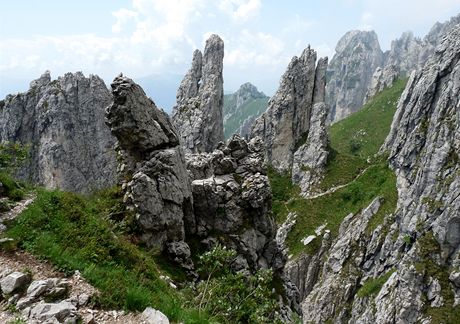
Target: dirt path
334 189
16 210
22 261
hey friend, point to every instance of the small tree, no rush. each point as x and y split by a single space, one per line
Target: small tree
235 297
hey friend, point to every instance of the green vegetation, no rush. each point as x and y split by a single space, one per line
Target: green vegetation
12 155
428 249
373 286
358 137
252 108
78 233
353 162
234 297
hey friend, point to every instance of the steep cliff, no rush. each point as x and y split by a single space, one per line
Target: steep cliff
62 123
242 108
403 266
198 114
284 126
357 56
156 183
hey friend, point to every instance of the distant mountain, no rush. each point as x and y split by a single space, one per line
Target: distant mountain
242 108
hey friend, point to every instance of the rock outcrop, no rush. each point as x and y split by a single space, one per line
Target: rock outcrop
218 197
357 56
62 123
405 269
310 159
284 126
407 53
382 78
198 113
242 108
232 203
156 185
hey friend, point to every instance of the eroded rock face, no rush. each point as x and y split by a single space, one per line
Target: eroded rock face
198 113
424 145
62 122
286 122
157 185
232 203
381 79
415 251
357 56
310 158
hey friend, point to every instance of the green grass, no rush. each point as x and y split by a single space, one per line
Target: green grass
252 108
12 189
354 163
378 180
78 233
374 285
359 136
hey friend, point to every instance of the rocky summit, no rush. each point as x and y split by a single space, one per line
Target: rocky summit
61 124
357 56
293 127
242 108
198 113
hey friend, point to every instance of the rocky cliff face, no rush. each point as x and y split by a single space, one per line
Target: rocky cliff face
156 185
232 203
381 79
411 260
62 122
408 53
242 108
197 115
357 56
285 125
218 197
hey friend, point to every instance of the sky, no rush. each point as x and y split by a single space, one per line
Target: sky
156 38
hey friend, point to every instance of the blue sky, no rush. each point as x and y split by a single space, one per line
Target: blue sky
157 37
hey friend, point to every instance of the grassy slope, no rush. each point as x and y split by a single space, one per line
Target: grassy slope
78 233
354 141
255 107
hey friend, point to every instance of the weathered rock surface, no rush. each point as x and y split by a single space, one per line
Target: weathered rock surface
232 202
381 79
407 53
310 158
415 252
357 56
153 316
242 108
13 282
157 186
285 124
62 122
198 113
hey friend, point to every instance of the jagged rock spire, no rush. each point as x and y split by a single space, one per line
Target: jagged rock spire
285 124
198 114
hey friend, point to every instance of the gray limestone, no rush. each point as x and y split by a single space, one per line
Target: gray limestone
357 56
198 114
62 124
157 186
285 125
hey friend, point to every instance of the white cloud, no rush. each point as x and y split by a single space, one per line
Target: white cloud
247 49
122 16
241 10
366 21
